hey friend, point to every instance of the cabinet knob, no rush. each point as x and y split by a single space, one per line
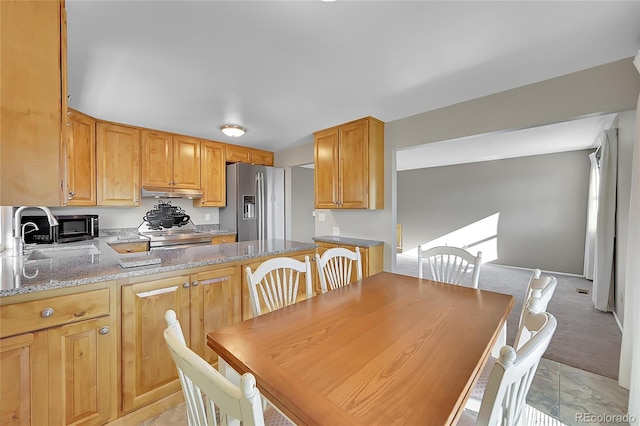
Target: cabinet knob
104 330
128 250
186 284
47 312
71 194
195 283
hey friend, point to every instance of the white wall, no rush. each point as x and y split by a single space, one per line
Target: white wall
527 212
302 204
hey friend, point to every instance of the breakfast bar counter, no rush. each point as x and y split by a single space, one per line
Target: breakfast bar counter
96 261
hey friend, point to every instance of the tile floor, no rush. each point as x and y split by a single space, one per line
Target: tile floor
559 391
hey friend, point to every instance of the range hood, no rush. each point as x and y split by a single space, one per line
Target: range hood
157 192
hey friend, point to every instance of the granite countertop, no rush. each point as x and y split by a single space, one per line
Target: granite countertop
356 242
96 261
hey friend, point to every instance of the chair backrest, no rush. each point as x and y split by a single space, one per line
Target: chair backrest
335 267
540 286
450 264
278 280
511 377
205 389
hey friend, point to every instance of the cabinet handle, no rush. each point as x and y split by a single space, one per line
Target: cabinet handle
104 330
195 283
186 284
71 194
47 312
128 250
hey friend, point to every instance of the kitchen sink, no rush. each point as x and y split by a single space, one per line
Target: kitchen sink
62 253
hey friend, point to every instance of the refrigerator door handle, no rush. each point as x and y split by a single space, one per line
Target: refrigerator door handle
261 206
258 207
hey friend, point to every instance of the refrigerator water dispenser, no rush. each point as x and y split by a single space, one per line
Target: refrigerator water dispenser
249 202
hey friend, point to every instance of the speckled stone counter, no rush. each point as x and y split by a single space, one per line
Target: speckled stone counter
356 242
20 275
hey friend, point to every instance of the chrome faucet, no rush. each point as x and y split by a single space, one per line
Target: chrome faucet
18 231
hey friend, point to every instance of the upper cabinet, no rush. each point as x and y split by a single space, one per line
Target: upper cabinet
33 102
81 159
213 177
170 161
243 154
349 166
118 165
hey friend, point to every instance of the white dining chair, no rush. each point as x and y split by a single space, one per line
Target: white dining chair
274 284
208 394
336 265
506 392
541 287
450 264
529 326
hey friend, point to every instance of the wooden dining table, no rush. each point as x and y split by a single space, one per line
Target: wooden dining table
389 349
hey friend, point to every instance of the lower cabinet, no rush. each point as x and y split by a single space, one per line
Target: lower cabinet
64 371
23 387
203 301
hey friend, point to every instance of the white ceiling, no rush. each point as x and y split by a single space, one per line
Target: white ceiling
285 69
568 136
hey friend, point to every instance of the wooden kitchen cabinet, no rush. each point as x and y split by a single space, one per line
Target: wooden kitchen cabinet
222 239
243 154
118 165
170 161
23 379
213 176
203 301
34 101
135 247
349 166
58 359
264 158
81 159
237 154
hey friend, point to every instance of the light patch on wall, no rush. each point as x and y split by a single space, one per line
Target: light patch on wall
481 235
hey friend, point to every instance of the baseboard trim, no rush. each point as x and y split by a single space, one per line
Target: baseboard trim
542 270
615 315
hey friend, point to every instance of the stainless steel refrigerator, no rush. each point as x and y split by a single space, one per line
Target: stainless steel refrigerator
255 202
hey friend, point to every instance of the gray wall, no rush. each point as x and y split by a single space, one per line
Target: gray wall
302 223
540 201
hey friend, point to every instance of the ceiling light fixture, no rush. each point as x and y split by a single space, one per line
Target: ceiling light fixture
232 130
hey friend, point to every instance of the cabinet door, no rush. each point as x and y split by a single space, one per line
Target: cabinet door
81 372
354 165
118 161
32 54
215 303
238 154
264 158
148 371
157 159
214 176
186 162
23 383
326 169
81 160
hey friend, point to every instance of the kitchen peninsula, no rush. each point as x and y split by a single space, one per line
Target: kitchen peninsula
64 317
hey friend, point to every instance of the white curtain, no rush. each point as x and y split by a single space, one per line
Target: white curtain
592 217
629 375
603 274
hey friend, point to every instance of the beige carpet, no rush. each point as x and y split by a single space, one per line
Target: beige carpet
585 338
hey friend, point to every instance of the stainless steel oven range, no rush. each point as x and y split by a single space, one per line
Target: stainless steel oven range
169 226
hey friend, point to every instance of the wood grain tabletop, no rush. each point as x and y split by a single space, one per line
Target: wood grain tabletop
390 349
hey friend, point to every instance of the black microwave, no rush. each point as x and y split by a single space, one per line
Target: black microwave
70 228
